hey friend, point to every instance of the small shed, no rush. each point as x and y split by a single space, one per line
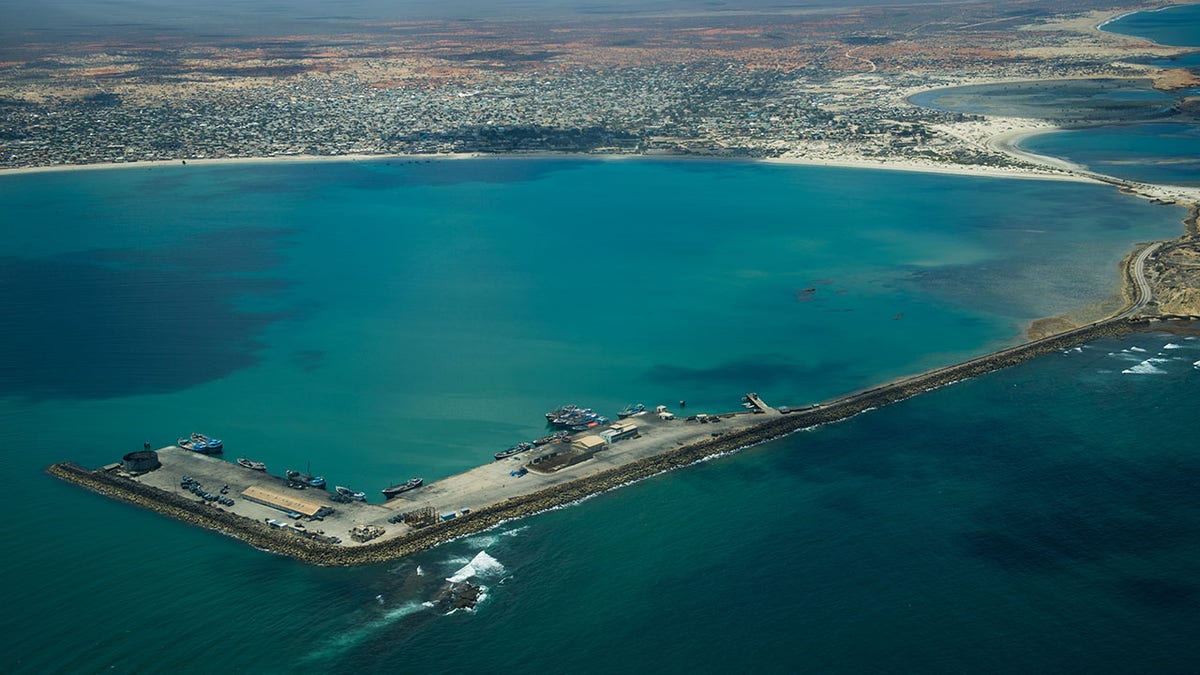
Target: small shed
590 444
283 502
620 431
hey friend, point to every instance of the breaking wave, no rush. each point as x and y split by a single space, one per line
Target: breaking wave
1145 368
1124 355
484 540
1172 345
481 565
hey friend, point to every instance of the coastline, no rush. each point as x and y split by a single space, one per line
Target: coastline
1008 142
887 164
916 166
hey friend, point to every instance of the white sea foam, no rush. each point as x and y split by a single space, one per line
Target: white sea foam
1074 350
481 565
343 642
420 572
1135 349
1125 356
482 540
1144 368
1172 345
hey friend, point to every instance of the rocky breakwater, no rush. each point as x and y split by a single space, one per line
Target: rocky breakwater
769 427
194 512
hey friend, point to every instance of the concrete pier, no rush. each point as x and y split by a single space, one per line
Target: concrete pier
488 495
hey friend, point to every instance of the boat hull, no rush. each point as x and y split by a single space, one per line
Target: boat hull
394 490
352 494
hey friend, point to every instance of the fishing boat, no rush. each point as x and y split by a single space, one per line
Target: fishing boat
311 481
201 444
352 494
558 436
410 484
519 447
573 416
631 410
251 464
564 410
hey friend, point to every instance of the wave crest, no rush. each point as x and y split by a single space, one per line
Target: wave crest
1144 368
481 565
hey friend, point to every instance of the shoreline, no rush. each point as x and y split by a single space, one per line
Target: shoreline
764 429
885 164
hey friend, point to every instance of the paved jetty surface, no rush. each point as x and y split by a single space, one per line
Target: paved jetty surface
472 490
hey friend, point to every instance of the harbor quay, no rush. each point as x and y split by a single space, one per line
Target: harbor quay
317 525
260 508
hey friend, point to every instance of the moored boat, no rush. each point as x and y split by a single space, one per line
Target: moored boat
573 416
202 444
410 484
352 494
559 436
631 410
300 477
251 464
518 448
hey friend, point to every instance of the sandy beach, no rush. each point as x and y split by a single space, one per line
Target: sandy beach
792 158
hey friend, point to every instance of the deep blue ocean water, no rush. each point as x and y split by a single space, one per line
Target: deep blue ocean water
376 320
1176 26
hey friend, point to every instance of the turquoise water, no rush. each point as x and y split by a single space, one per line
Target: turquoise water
1156 153
1143 138
1163 152
1062 101
1175 26
379 320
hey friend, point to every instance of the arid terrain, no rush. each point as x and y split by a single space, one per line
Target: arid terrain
816 85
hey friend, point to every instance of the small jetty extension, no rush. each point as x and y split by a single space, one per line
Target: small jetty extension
757 405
